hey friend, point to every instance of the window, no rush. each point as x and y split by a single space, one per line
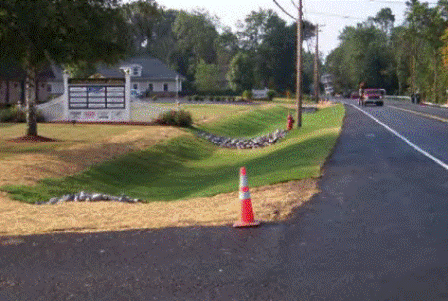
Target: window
136 71
165 87
135 86
151 87
49 88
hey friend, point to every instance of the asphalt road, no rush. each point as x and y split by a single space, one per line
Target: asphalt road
377 231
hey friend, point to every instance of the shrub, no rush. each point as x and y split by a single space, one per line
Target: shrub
183 119
271 94
247 95
13 114
17 114
196 97
176 118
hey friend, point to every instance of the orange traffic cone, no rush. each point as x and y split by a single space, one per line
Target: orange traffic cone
247 215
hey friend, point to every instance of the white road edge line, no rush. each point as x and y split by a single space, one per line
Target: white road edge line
425 153
419 114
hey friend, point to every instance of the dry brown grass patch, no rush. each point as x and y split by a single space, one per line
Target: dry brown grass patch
271 203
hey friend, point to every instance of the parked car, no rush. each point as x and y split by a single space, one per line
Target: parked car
373 96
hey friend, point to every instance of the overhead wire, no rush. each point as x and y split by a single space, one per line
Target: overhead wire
283 10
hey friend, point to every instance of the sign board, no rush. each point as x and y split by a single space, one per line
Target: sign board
98 99
91 97
260 94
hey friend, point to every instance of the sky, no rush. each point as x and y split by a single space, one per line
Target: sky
332 15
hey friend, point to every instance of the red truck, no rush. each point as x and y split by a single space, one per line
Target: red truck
373 96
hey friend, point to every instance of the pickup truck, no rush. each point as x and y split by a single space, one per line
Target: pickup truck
373 96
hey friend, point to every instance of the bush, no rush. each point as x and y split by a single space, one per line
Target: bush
13 114
17 114
271 94
247 95
176 118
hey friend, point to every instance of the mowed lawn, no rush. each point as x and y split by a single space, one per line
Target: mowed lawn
182 166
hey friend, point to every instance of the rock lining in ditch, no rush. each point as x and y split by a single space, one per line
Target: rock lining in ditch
90 197
242 143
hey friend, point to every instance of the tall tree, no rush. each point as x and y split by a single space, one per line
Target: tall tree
60 31
385 20
425 28
141 16
271 44
363 55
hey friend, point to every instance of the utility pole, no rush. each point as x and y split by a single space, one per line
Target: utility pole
299 92
316 67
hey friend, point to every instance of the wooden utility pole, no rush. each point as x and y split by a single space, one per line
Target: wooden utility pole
316 67
299 92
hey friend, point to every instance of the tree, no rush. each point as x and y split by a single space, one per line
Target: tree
240 75
385 20
364 54
425 30
271 44
69 32
141 16
196 34
207 77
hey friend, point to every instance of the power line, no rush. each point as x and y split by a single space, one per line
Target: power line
335 15
283 10
395 2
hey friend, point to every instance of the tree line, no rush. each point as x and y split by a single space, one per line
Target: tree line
406 59
261 53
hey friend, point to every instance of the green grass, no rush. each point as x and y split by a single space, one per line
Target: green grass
186 167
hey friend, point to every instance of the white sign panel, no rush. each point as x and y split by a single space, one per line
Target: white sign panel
98 100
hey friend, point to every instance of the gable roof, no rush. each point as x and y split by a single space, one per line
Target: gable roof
152 68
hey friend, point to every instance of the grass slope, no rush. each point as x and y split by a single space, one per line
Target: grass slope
186 167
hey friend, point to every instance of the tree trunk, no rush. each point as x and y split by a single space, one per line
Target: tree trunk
30 99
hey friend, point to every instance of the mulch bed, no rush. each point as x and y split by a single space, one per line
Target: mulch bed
32 139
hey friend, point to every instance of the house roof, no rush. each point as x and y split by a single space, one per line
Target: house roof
152 68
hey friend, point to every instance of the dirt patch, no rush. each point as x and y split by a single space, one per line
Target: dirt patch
270 203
